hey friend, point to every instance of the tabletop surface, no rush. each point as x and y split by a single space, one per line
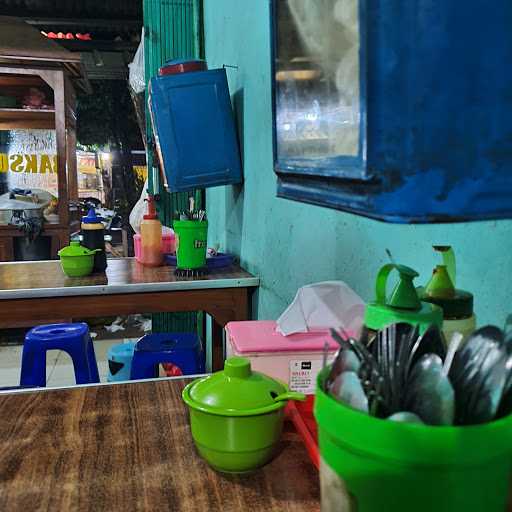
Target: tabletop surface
36 279
128 447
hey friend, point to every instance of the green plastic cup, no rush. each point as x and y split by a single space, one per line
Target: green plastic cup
373 465
191 237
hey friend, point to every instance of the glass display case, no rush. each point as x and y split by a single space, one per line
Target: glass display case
394 110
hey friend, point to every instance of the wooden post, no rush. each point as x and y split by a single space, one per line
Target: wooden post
60 132
71 141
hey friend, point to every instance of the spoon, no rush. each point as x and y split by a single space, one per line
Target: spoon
478 375
454 345
347 389
430 342
429 393
505 407
405 417
488 387
346 361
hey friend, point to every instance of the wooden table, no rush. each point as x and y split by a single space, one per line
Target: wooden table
36 292
128 448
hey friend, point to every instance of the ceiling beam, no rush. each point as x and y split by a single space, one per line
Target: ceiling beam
66 22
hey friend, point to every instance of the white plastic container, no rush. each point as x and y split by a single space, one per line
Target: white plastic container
295 359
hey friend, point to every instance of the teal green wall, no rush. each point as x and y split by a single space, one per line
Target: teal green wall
291 244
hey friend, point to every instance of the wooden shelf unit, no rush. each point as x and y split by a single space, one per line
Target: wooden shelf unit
18 118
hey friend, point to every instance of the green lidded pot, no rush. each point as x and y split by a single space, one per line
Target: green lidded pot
375 465
76 260
236 416
403 305
191 243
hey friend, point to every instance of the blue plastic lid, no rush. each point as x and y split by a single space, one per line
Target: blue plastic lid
91 217
174 62
176 66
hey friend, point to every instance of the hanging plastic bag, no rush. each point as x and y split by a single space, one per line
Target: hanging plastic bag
136 76
137 213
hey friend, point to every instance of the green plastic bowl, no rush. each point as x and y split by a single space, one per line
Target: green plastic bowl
236 444
236 416
76 260
385 465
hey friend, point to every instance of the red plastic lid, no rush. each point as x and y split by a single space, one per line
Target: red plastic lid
151 213
173 67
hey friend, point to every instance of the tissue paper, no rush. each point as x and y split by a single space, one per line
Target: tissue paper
320 306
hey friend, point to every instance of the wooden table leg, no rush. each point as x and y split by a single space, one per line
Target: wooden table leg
217 346
239 313
242 305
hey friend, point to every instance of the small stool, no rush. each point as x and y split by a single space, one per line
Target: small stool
74 339
183 350
120 361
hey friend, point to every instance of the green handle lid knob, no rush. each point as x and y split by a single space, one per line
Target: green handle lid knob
239 367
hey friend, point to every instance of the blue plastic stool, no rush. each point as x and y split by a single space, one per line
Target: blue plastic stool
183 350
120 361
74 339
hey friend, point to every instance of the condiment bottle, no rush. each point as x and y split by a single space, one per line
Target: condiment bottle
93 237
151 237
457 305
403 305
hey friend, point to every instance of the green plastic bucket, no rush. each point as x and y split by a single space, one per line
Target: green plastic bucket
191 236
374 465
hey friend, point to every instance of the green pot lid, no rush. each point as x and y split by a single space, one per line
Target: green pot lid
75 249
236 391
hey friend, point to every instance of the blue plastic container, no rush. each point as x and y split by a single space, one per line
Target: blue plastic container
194 129
120 361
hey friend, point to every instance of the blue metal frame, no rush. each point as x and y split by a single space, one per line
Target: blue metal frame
438 117
348 167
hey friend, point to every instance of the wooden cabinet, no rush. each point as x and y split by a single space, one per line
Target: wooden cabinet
28 59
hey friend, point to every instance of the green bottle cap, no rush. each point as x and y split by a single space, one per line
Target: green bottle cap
404 295
403 305
440 290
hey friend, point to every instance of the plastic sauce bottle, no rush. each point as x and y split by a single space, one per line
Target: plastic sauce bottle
93 237
404 304
151 237
457 304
